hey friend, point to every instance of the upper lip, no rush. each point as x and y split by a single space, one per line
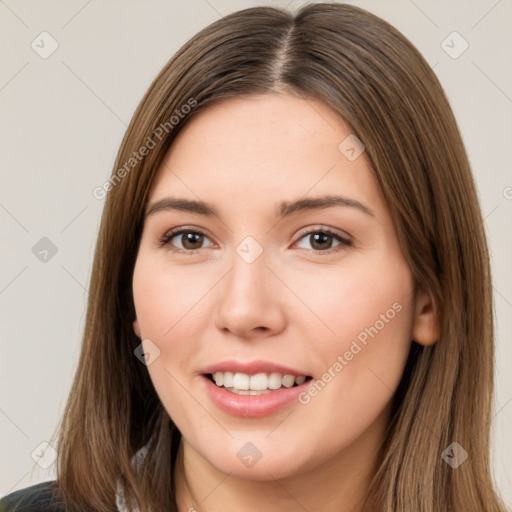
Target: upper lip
251 368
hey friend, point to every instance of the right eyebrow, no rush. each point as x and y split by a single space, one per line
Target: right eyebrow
181 204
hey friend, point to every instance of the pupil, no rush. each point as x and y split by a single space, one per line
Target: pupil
323 237
189 237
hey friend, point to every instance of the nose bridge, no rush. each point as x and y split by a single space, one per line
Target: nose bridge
249 273
247 298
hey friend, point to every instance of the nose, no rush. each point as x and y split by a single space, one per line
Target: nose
250 300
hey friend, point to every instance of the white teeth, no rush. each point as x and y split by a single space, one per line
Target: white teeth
300 380
228 379
248 391
274 381
260 383
288 381
241 381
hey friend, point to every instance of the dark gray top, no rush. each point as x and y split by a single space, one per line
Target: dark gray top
36 498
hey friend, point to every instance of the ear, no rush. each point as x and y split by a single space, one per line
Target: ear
425 329
136 328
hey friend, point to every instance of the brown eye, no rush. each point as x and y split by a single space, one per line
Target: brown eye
192 240
323 240
188 240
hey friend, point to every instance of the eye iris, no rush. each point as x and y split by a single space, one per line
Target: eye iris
319 237
192 238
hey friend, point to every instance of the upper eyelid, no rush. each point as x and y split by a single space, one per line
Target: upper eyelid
337 232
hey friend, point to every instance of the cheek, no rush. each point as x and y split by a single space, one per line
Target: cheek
343 303
164 297
166 305
369 306
363 354
168 308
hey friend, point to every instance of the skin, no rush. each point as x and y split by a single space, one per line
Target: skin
291 305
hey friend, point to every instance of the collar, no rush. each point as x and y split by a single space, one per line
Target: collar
120 498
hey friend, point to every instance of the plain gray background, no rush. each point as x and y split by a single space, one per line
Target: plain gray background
62 119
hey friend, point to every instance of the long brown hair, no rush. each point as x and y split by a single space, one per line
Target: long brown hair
374 78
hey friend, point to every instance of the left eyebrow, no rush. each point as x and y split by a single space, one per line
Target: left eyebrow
287 208
284 209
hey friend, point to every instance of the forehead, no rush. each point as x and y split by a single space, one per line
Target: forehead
256 150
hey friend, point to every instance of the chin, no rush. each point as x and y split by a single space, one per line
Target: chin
262 470
255 460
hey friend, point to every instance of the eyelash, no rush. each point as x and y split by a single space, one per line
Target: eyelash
166 240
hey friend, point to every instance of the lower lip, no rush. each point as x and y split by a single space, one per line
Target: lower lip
253 406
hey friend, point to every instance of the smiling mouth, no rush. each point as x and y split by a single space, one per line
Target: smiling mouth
258 384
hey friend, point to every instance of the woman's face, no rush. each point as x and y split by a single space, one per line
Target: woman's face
275 281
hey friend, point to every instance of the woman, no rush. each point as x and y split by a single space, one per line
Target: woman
290 306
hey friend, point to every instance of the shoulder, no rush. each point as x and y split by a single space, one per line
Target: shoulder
36 498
